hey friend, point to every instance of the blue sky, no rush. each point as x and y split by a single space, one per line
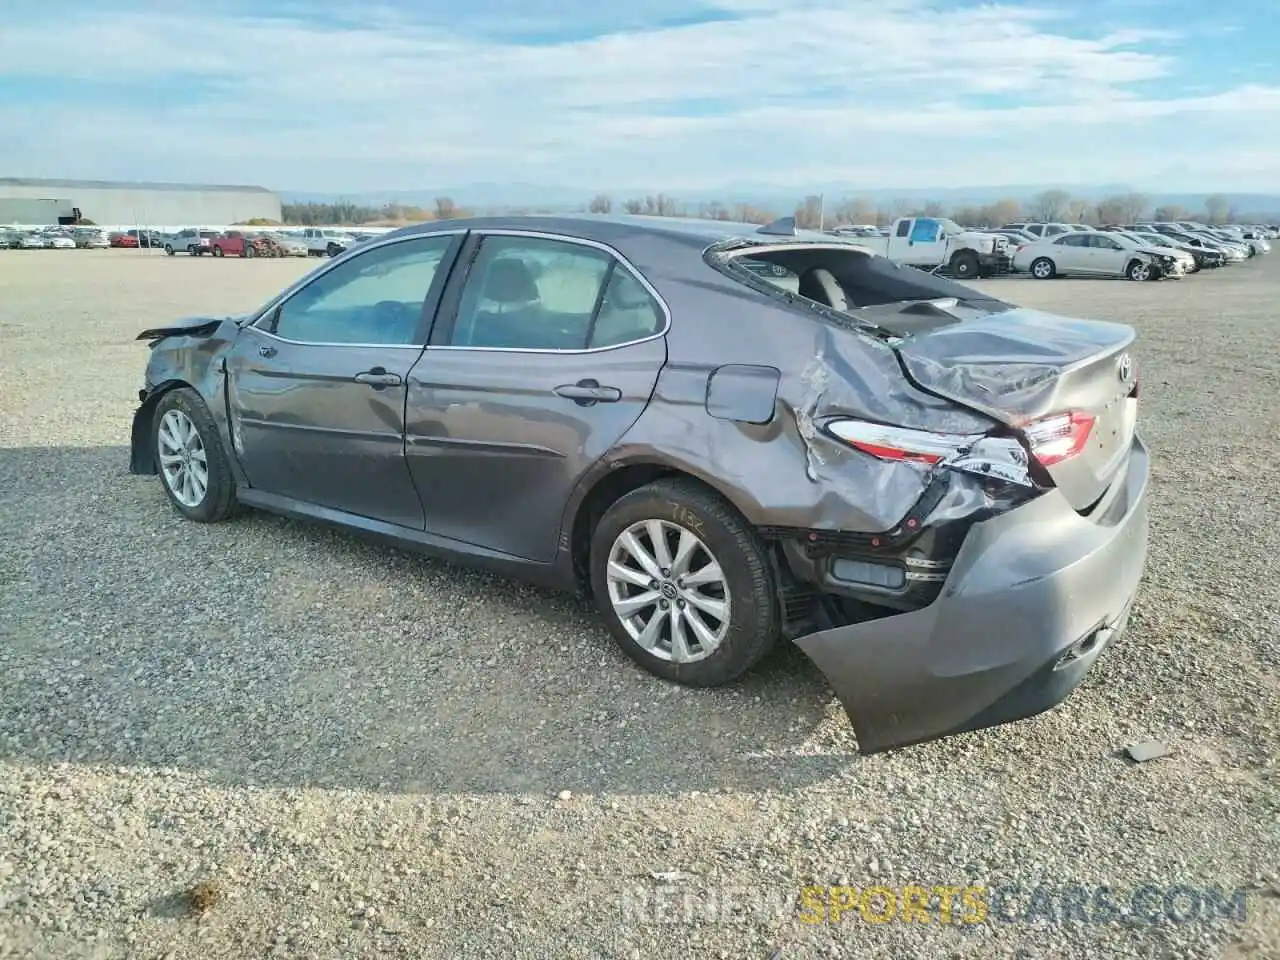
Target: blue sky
336 95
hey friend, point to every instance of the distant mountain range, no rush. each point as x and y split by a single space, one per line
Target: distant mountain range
767 196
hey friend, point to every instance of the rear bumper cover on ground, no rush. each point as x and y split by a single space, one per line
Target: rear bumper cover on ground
1034 597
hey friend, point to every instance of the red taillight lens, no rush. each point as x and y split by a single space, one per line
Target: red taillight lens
900 443
1059 437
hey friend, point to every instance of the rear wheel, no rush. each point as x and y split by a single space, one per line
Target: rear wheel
1043 269
248 250
192 464
169 250
684 584
217 251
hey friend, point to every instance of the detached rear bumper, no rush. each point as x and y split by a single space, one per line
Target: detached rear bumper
1034 597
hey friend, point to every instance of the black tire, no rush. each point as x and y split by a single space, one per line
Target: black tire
1137 270
964 265
219 500
217 251
169 250
248 251
1042 268
753 609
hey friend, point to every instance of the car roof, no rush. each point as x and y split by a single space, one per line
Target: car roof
608 228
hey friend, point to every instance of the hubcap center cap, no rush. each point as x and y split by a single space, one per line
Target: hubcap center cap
668 590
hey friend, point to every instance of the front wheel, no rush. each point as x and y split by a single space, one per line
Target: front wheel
190 459
1140 271
217 251
684 584
964 265
169 250
248 251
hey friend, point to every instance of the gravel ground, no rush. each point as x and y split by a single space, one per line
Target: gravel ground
359 752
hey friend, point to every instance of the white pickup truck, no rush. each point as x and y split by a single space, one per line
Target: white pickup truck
933 243
325 241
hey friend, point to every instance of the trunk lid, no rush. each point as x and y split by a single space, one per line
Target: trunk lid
1020 365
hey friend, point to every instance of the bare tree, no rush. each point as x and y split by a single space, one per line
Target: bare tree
1218 208
1112 209
1078 209
746 213
1050 204
601 203
446 209
633 206
1003 211
1171 212
1134 206
933 208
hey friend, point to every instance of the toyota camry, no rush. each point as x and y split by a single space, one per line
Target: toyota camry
729 436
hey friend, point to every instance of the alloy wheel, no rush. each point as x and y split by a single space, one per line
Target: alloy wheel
668 591
184 462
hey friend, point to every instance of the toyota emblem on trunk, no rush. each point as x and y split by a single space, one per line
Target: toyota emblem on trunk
1124 366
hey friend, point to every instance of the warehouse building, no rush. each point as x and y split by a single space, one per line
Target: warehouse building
114 204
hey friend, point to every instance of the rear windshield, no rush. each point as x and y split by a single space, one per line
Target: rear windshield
861 279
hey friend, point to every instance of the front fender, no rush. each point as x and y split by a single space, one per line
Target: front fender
185 356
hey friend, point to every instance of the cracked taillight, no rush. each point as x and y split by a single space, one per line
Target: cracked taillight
1060 437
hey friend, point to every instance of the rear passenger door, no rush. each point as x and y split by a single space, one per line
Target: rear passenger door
545 351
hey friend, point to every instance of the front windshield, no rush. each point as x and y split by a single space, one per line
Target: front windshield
951 228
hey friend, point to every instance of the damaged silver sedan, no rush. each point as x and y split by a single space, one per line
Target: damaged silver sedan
729 436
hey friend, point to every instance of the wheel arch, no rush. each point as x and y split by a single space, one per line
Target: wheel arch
600 492
142 453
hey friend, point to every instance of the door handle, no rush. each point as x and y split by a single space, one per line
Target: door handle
586 392
266 351
378 378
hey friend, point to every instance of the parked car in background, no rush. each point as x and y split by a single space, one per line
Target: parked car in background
289 245
1238 248
120 239
1015 235
231 243
856 230
8 239
146 238
326 242
1203 256
937 243
1233 253
1098 253
195 242
90 238
861 468
1037 229
59 240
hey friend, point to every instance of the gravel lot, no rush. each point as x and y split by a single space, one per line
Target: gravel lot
363 753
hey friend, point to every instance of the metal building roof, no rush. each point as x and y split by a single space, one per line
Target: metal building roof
124 185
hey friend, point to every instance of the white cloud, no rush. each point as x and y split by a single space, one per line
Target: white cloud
900 93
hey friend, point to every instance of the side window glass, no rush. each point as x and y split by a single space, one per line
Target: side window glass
627 311
904 228
376 297
530 293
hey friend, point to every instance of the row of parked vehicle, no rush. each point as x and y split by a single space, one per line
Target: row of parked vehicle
197 242
52 238
1148 250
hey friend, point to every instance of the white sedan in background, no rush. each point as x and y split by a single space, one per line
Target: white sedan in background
1096 253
